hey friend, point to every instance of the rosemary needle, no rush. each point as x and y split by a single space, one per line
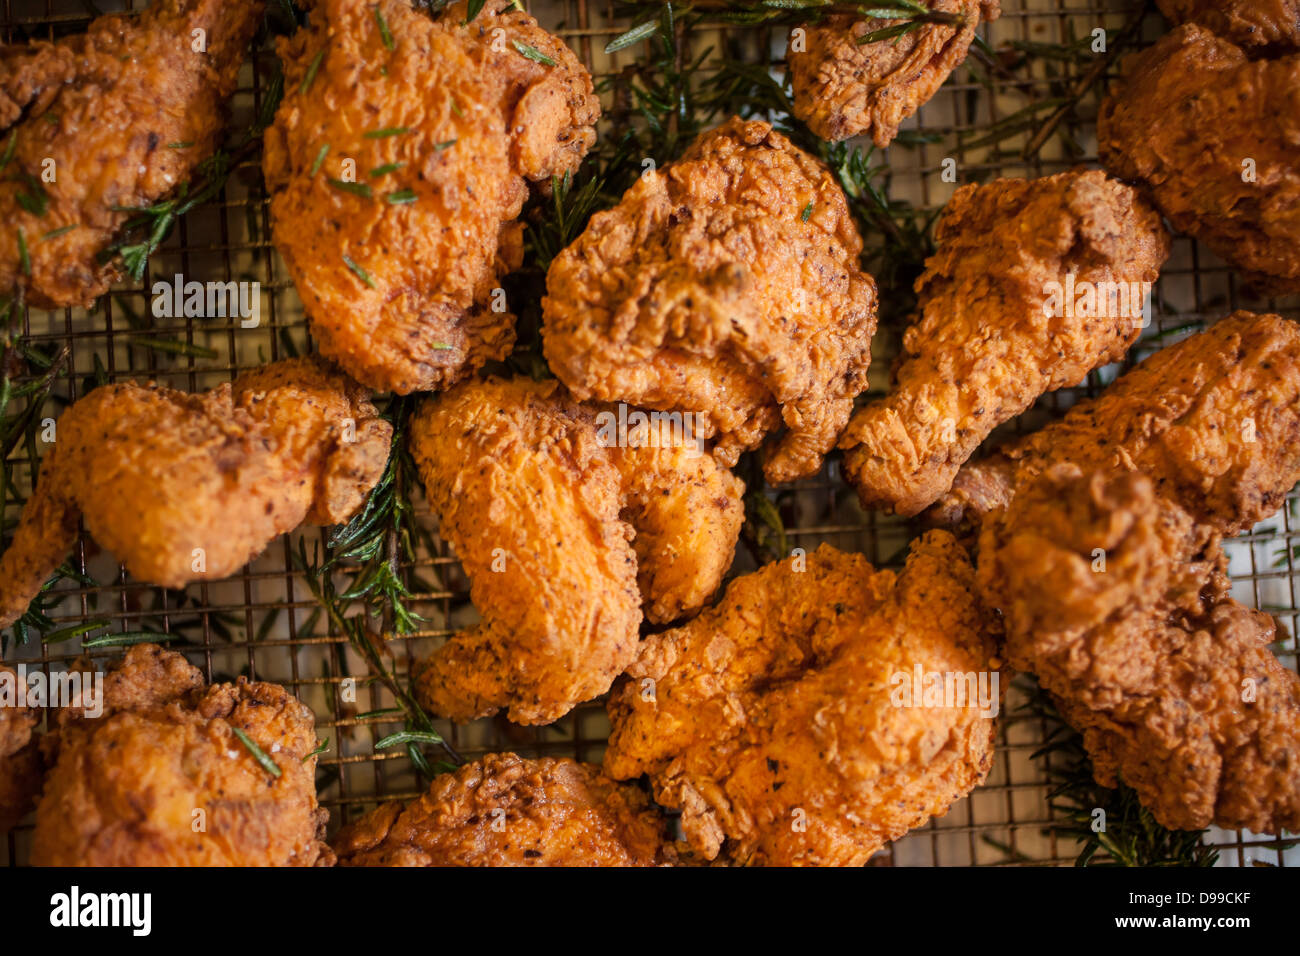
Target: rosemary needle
259 755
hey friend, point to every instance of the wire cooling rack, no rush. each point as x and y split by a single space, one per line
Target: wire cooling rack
264 623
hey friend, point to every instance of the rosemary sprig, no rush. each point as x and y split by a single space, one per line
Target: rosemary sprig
266 763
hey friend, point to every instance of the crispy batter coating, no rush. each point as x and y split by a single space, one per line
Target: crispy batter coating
21 767
564 536
124 788
158 473
725 285
1214 421
504 810
1247 23
773 720
1170 681
1188 115
111 108
989 340
844 88
442 132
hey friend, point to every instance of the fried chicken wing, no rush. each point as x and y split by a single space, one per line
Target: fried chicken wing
504 810
1214 421
398 165
844 87
1004 317
98 124
1211 134
777 722
21 767
1170 681
726 286
1247 23
185 487
162 778
564 534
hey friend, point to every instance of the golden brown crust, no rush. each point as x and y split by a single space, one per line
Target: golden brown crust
1171 682
843 88
542 515
770 720
507 811
21 767
1189 114
158 473
984 347
110 108
480 119
1247 23
706 291
161 779
1214 421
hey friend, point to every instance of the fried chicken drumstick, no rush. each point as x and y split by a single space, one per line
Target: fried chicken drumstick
1269 24
1214 421
1170 681
504 810
96 125
20 757
774 722
1211 134
727 286
989 340
844 87
398 165
564 536
162 778
185 487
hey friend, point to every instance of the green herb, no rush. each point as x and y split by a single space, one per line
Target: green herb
533 53
635 35
9 149
357 189
312 70
472 10
33 197
807 212
129 638
408 737
385 169
173 347
320 159
259 755
401 197
55 233
75 630
321 747
384 33
388 132
359 272
23 256
185 145
446 144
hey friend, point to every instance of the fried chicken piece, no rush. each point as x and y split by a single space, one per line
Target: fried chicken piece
1250 24
564 536
1170 681
21 767
125 113
399 266
776 722
727 286
845 88
1212 136
188 487
504 810
126 788
993 335
1214 421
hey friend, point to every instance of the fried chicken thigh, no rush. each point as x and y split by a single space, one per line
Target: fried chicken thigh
1248 23
844 87
564 535
504 810
999 324
1119 601
20 756
185 487
162 778
398 165
1212 135
98 124
775 720
727 286
1214 421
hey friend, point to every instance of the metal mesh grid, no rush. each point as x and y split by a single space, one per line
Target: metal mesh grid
264 623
